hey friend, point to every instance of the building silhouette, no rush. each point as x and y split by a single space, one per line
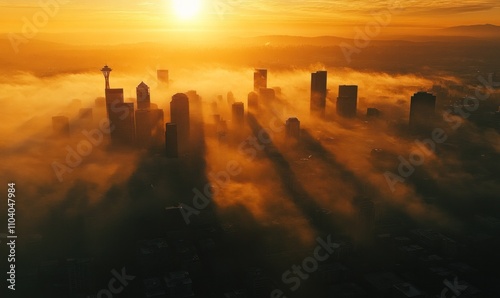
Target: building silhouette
179 114
347 101
318 93
60 126
113 98
267 95
195 106
121 118
422 110
171 143
106 71
293 128
149 127
143 96
259 79
124 132
253 102
373 112
238 114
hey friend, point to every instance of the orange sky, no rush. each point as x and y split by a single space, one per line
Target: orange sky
240 17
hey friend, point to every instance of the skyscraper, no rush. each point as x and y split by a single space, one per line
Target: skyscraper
422 110
259 79
179 114
318 93
253 102
293 128
267 95
347 101
238 113
171 143
195 106
149 127
123 120
143 96
113 97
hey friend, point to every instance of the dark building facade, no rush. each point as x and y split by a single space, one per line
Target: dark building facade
179 114
149 127
318 93
253 102
422 110
121 118
238 114
259 79
143 96
347 101
293 128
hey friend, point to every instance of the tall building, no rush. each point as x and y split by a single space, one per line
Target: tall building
422 110
162 76
267 95
347 101
259 79
149 127
113 97
238 113
253 102
293 128
143 96
123 122
179 114
121 118
171 143
318 93
195 106
60 126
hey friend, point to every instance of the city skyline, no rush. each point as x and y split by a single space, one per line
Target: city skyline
250 149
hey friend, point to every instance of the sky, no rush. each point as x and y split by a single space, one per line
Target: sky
243 17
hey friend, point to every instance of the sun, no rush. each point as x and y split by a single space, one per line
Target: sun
186 9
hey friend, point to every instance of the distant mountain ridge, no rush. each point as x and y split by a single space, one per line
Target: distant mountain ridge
480 30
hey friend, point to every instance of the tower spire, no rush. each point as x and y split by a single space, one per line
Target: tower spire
105 71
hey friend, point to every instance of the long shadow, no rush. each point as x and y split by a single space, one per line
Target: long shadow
362 187
292 184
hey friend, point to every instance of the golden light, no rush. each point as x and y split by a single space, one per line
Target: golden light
186 9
